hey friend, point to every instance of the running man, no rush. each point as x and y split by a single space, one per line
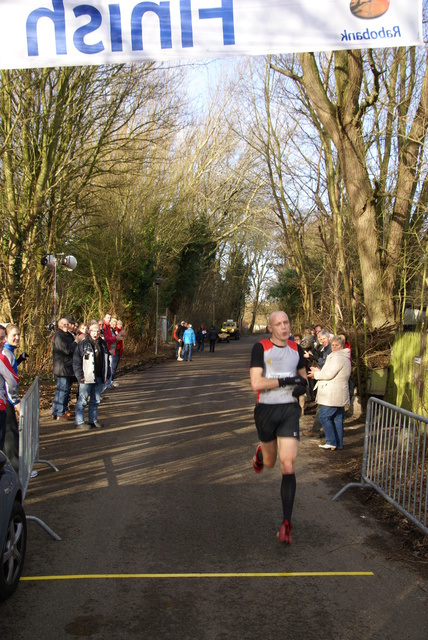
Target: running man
278 375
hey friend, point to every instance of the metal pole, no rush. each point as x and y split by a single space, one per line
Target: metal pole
157 306
54 319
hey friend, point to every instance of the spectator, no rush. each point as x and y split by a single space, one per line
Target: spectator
110 339
325 347
212 335
7 376
63 346
323 353
107 332
311 355
91 365
316 331
177 343
117 328
180 331
72 325
333 392
82 332
189 342
2 337
200 339
11 445
346 342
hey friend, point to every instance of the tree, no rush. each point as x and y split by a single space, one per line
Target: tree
61 133
373 106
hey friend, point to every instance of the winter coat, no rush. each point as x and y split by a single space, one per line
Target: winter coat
84 361
10 378
332 386
109 335
322 354
9 360
63 346
213 334
189 336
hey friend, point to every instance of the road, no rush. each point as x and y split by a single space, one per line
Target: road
166 531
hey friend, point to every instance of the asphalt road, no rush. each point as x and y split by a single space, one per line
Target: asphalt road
167 532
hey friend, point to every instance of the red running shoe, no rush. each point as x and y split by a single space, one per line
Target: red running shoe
284 534
257 465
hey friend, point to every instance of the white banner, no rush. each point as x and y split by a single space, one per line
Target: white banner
46 33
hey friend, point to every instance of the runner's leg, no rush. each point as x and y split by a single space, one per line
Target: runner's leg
287 451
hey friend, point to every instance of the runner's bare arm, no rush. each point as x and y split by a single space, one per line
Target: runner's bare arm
259 383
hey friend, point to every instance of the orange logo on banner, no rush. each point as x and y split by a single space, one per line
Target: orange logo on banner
369 8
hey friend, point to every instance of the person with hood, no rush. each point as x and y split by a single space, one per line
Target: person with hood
333 392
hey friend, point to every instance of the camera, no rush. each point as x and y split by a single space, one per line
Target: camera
307 344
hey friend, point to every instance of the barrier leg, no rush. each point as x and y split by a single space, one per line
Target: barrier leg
52 466
44 526
348 486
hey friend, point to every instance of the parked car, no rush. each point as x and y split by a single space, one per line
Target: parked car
13 529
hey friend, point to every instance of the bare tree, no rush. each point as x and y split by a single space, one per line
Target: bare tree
373 106
61 131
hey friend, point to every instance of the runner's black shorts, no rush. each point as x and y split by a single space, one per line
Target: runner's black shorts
277 421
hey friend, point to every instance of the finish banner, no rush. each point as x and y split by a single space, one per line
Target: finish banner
47 33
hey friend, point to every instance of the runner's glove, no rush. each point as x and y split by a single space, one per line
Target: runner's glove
300 388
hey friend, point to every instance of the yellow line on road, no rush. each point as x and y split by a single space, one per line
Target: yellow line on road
157 576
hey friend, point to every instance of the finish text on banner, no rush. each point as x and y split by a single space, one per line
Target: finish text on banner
44 33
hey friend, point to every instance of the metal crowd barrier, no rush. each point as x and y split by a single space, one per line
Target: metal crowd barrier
395 459
29 444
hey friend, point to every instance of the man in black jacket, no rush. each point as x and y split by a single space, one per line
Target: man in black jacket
62 353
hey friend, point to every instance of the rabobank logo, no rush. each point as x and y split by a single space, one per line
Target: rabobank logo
367 9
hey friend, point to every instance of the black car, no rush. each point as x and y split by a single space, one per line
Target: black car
13 529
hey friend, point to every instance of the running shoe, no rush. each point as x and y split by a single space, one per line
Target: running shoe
284 534
257 465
